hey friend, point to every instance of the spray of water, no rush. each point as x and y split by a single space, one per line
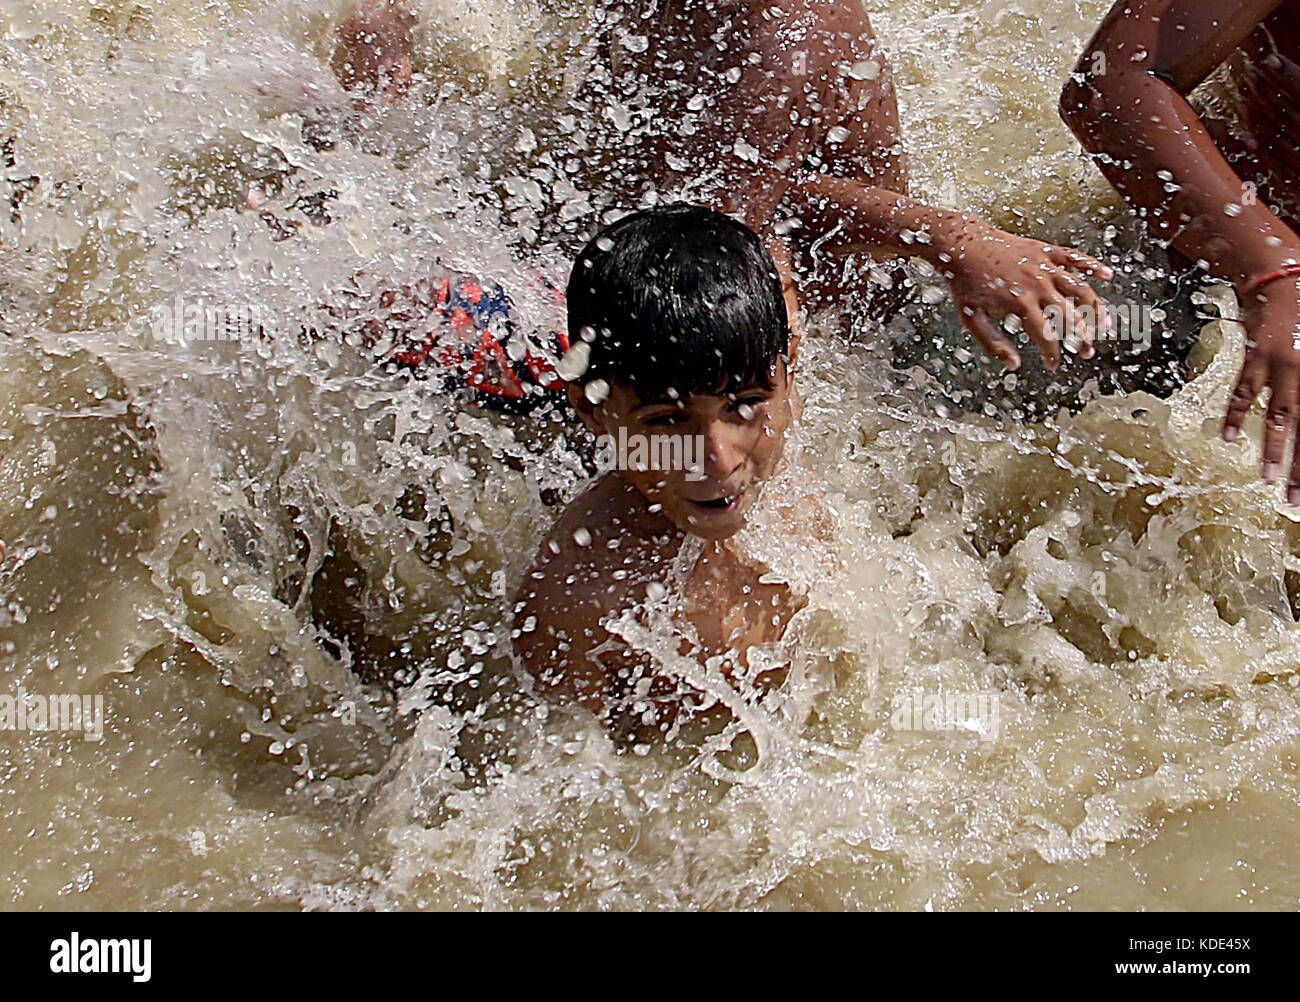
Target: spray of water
288 572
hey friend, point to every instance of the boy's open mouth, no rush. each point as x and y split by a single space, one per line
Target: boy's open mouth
721 505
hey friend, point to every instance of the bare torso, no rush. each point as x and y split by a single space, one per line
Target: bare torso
1253 114
607 556
726 100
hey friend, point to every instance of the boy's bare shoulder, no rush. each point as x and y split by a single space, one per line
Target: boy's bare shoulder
589 566
847 23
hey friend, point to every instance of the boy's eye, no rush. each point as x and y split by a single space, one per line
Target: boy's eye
660 420
748 405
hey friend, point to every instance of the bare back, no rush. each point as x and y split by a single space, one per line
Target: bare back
1251 110
724 102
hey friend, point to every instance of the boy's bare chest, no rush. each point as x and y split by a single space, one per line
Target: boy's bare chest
730 608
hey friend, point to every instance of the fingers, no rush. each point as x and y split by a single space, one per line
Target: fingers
1044 334
1080 297
1280 371
1090 322
992 340
1044 290
1068 257
1293 483
1249 383
1279 424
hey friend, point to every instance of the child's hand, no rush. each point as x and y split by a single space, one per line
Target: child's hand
1272 329
995 275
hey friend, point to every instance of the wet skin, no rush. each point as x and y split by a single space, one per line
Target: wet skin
1127 103
617 543
807 90
373 53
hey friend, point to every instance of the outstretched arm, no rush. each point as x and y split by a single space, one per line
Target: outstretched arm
1127 104
813 89
993 274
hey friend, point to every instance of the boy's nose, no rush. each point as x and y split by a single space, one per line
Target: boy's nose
395 77
724 449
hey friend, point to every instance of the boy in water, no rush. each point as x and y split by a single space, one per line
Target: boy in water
453 328
785 116
683 313
373 53
1205 181
372 62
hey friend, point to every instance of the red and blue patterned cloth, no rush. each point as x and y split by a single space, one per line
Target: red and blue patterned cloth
469 346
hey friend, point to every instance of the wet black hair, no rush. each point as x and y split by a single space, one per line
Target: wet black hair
678 296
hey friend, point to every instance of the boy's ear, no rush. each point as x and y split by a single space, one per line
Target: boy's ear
784 261
792 352
585 408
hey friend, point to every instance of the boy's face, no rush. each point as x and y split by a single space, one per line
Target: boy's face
373 53
734 442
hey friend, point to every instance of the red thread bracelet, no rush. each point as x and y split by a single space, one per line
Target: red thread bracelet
1255 284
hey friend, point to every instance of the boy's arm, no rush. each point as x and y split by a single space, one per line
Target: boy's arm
993 274
803 63
1126 104
554 638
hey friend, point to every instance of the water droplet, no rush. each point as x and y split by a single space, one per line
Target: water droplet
582 537
596 391
868 69
1232 209
327 352
575 361
838 134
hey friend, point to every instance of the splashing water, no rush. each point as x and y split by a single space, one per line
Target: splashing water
289 574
